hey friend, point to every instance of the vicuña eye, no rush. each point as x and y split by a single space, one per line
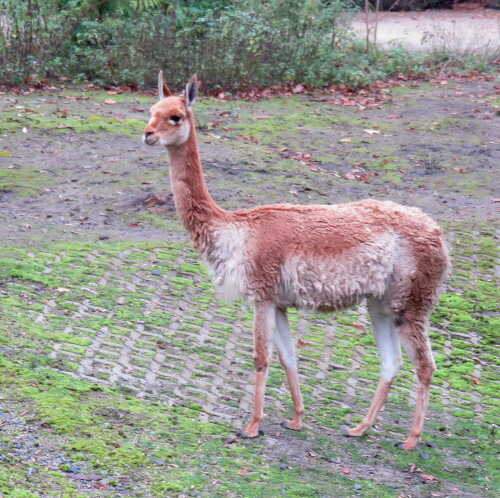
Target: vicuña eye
175 119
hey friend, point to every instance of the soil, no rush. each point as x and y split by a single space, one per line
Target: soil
439 141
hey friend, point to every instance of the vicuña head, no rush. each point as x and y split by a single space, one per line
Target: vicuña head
170 122
314 257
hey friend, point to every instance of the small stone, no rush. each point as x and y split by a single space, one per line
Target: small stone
156 272
358 486
158 462
425 456
283 466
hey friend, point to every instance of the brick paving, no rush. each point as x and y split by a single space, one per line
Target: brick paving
147 321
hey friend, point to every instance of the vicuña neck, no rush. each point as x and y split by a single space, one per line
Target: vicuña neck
193 202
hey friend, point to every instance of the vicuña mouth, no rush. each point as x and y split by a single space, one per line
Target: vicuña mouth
149 141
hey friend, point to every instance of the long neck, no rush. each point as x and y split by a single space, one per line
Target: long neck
194 205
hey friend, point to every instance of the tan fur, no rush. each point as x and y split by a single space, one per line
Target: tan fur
311 257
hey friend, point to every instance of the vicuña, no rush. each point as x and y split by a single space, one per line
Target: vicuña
319 257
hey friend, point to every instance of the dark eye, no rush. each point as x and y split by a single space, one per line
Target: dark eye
175 119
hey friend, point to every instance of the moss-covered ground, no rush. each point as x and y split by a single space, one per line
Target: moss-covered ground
121 374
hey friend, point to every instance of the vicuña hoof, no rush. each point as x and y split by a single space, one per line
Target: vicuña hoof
288 425
406 445
244 435
351 432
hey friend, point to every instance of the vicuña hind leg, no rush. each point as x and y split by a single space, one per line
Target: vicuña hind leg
286 353
387 339
416 343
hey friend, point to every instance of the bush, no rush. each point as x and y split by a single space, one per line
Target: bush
228 43
32 34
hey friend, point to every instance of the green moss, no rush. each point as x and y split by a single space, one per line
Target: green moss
80 124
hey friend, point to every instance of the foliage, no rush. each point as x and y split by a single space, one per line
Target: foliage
228 43
30 37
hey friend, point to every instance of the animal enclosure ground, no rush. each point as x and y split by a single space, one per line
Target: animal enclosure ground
122 375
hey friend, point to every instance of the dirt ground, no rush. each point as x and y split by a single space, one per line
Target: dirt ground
103 287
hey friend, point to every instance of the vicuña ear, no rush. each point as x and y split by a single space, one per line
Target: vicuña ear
191 91
163 90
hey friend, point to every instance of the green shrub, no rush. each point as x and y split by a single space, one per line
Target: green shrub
32 34
228 43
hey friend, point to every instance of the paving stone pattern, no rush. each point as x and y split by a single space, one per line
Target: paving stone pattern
148 322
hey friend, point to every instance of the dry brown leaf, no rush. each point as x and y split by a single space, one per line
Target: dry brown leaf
428 477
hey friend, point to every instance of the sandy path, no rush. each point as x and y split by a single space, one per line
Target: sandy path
472 31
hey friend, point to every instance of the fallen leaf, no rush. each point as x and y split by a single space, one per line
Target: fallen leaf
302 343
111 443
475 381
312 454
4 153
345 470
428 477
372 132
357 326
155 200
298 89
477 360
350 176
62 289
345 140
110 101
412 467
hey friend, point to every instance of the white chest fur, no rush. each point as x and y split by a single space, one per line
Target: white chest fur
226 261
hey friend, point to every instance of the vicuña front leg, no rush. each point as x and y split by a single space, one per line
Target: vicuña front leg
263 327
386 336
286 353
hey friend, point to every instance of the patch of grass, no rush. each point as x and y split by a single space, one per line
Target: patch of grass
78 124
